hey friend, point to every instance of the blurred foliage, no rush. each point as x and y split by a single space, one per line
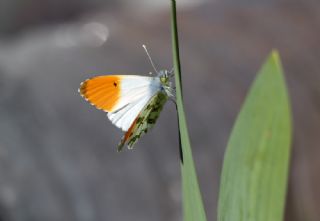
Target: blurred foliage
18 15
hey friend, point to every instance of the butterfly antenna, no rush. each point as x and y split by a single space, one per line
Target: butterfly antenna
146 50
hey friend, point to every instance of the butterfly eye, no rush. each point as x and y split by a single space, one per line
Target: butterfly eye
164 79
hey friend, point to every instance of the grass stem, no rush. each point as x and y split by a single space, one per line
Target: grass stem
193 209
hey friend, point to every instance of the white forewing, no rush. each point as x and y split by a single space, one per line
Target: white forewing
136 91
125 116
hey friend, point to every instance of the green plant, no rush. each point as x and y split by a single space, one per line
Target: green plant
255 170
193 209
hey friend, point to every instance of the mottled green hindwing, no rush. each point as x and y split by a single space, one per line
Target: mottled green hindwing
145 120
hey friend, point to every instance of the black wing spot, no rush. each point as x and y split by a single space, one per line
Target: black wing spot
115 84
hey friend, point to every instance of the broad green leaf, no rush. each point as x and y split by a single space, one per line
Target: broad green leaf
255 169
192 203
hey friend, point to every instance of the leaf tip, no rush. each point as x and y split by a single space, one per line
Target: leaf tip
275 56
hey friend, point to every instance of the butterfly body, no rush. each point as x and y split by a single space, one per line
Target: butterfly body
133 102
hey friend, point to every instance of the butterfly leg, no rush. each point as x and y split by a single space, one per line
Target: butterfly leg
171 73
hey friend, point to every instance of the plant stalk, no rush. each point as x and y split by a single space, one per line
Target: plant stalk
193 209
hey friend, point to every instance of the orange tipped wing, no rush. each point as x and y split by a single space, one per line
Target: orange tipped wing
133 102
103 91
122 96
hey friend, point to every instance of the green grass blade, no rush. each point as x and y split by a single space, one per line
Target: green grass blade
255 169
193 209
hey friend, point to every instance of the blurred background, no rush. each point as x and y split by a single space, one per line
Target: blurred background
58 158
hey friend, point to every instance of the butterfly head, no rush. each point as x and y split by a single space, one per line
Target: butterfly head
164 76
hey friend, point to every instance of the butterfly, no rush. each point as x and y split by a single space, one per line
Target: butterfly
133 103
